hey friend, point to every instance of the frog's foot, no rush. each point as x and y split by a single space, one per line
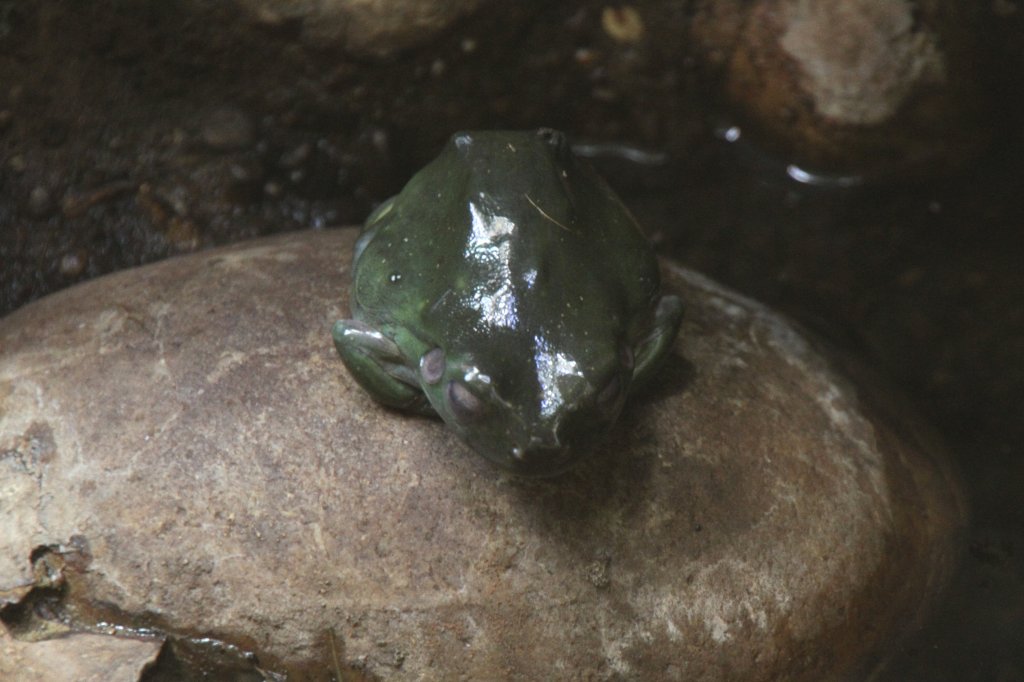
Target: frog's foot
378 365
655 347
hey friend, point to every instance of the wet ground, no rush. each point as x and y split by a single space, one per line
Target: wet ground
130 132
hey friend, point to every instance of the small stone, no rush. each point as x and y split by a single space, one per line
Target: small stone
76 203
266 15
17 163
295 157
177 137
245 184
40 202
379 140
182 234
597 572
72 264
373 28
227 128
585 56
240 173
623 24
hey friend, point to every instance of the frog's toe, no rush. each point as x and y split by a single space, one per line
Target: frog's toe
353 334
377 364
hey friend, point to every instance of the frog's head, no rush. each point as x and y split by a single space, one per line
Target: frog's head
532 412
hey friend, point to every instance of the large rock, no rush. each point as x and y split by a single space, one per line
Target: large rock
187 430
870 87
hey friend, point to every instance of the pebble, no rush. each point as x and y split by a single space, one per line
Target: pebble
72 264
295 157
227 128
622 24
40 202
183 234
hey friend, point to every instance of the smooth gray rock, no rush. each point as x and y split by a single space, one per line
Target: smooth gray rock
188 427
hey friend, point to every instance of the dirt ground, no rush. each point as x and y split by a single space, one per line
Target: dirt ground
130 132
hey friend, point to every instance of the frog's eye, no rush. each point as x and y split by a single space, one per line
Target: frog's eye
609 395
463 403
432 365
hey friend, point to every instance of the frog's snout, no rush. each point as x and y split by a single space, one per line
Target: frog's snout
540 459
536 446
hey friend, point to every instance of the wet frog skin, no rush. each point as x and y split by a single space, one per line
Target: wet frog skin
507 290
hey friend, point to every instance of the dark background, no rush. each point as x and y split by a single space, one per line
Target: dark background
130 132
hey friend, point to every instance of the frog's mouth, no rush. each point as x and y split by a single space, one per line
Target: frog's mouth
516 445
533 452
541 460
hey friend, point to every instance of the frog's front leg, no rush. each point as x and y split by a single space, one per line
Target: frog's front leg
378 365
656 345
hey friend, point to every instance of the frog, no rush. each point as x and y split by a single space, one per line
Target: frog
508 290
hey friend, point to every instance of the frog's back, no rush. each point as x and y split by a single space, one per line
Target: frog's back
504 232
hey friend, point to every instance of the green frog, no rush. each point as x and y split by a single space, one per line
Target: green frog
507 290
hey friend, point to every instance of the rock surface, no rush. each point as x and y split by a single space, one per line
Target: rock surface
79 657
860 61
189 428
